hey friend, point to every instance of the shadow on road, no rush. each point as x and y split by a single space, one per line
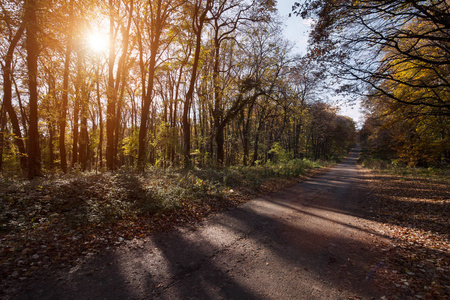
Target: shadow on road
311 241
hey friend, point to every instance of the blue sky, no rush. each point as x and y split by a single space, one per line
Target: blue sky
296 30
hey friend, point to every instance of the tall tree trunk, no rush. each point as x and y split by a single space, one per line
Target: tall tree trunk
2 134
112 96
121 77
51 148
83 130
65 95
218 112
51 104
100 120
32 47
198 22
76 108
158 21
220 144
84 140
257 134
24 117
142 154
246 134
173 125
7 99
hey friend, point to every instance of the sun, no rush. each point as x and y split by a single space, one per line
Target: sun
98 42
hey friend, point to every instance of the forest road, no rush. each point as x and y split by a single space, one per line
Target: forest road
314 240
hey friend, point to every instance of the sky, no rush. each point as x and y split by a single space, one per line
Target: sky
297 30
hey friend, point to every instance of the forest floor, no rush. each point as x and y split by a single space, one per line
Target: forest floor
52 222
52 225
413 208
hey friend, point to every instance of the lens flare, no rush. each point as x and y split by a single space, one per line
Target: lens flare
98 42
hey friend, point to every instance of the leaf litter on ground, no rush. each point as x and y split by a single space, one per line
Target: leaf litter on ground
414 212
52 222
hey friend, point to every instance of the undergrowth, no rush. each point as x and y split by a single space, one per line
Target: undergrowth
392 167
86 198
59 217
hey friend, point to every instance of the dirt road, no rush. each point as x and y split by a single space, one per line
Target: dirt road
311 241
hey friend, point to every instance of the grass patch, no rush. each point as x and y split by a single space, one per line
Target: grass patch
387 167
60 217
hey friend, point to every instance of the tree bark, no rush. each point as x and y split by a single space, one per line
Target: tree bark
158 22
76 109
2 134
198 22
32 47
100 121
111 93
121 83
65 95
7 99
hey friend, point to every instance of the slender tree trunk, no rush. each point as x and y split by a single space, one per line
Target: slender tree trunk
7 99
257 134
173 125
120 84
83 130
24 117
2 134
246 133
32 47
218 110
76 110
220 144
84 142
157 24
112 96
65 95
198 22
100 121
142 154
50 118
51 158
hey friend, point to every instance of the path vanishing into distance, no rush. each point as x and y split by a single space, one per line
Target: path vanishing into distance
314 240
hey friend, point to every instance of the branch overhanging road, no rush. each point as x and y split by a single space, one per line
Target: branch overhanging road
310 241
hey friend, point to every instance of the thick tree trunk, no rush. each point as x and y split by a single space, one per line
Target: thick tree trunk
32 47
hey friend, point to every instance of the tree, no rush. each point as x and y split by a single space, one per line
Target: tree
199 10
65 90
203 77
351 36
226 18
160 14
405 134
32 47
7 97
